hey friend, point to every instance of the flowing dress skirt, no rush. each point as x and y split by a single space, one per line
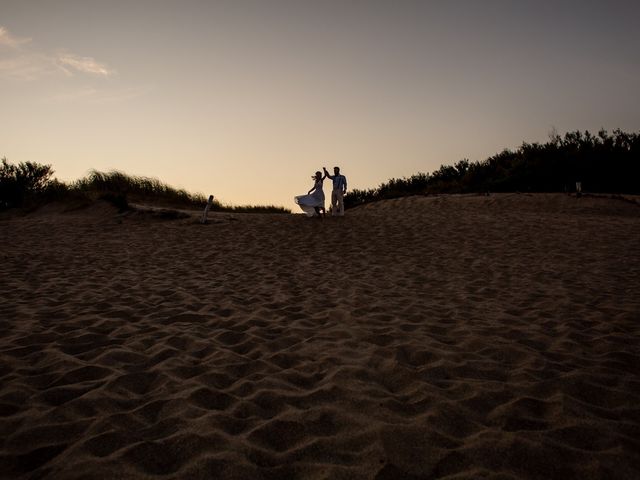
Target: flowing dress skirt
308 202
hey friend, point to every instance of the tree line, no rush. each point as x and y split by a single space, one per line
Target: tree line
603 163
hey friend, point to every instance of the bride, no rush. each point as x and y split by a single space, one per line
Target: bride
313 202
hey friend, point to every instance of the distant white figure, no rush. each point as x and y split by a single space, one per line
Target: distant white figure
313 202
578 189
206 210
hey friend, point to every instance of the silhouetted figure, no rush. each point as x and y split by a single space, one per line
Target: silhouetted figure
338 192
313 202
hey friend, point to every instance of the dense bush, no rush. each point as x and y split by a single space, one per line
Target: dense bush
22 183
603 163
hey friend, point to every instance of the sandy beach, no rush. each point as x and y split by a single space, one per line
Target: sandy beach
424 337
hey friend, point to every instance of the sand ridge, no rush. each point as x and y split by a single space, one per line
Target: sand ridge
423 337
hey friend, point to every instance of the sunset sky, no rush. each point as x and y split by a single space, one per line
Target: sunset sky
246 99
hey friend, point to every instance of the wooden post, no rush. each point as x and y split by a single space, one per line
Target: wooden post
206 210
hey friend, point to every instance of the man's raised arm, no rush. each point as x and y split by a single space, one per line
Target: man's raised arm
327 173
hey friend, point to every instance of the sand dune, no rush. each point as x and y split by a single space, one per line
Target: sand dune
425 337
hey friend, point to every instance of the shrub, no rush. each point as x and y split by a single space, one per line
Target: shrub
22 183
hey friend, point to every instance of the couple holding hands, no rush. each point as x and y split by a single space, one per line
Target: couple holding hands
313 202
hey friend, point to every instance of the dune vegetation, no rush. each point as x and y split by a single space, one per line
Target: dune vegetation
29 184
603 163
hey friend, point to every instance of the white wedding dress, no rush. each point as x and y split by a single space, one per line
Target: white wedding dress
315 199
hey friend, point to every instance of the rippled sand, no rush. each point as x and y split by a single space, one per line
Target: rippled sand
425 337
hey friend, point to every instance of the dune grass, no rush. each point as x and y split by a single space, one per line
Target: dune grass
136 188
140 189
29 184
121 189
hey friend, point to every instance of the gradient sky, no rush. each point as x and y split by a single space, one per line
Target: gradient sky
246 99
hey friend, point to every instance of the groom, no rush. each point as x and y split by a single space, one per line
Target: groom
339 189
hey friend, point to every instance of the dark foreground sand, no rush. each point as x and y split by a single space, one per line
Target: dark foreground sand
447 337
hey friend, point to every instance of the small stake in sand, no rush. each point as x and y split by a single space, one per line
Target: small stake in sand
206 210
578 189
